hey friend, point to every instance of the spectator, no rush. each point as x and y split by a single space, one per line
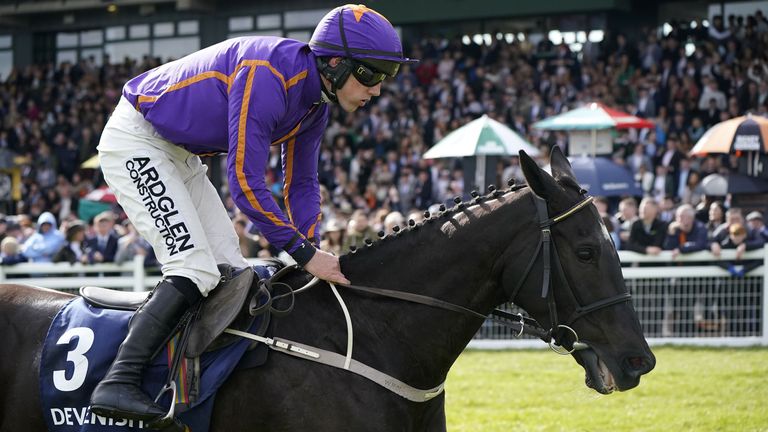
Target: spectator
358 229
685 234
333 237
638 159
736 239
103 243
757 224
10 252
45 242
249 246
716 218
74 250
393 219
667 209
626 216
647 233
692 191
712 96
735 216
131 244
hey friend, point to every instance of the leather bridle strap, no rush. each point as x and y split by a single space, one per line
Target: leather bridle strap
415 298
550 253
518 322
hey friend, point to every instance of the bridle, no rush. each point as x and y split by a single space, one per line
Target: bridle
524 325
549 254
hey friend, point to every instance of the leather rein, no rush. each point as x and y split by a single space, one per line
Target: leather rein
523 325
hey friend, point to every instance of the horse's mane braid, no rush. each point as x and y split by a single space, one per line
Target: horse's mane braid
444 213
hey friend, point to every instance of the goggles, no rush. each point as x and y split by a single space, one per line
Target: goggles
366 75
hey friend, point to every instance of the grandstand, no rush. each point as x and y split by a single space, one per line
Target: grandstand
684 65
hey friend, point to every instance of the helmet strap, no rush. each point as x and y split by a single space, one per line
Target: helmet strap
337 76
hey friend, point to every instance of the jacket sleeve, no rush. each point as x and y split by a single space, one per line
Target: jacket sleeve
671 242
754 240
302 188
38 246
697 240
257 101
635 233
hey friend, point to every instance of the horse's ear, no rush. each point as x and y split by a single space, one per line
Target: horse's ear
541 183
559 163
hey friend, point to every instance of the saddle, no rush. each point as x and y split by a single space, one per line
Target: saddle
234 305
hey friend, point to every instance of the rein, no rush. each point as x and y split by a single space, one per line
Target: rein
546 248
518 322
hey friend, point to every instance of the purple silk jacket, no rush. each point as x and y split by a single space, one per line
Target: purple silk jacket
240 97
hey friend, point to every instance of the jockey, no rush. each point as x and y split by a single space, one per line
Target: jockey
237 97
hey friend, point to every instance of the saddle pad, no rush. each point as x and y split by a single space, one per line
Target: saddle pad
79 348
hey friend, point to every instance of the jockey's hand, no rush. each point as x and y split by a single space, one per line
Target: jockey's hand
326 267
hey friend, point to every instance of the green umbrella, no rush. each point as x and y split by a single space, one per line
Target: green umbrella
481 137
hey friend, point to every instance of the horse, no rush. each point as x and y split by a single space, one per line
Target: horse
475 256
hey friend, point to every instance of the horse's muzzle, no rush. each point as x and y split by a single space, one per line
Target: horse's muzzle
635 366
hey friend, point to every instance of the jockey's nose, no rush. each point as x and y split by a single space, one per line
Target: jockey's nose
375 90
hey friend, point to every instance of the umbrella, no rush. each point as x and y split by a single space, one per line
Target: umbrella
591 117
102 194
91 163
483 136
601 176
745 133
480 138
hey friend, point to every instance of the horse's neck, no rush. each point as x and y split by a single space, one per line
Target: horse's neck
454 259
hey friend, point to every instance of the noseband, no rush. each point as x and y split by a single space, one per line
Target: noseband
548 251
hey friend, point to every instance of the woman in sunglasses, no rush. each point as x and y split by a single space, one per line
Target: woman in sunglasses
238 97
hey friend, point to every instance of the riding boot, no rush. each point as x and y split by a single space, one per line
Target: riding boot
119 394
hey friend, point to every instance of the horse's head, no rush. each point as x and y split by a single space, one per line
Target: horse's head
586 305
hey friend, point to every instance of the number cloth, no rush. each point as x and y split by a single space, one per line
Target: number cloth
81 344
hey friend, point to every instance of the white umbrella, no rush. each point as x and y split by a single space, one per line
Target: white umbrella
481 137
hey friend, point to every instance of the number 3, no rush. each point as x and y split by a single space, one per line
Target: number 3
84 342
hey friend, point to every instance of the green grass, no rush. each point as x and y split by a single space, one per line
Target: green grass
691 389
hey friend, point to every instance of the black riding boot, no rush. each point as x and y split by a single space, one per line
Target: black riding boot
119 394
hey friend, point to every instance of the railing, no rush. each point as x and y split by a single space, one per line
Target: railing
687 300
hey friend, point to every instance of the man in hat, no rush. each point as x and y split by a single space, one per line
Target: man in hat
757 225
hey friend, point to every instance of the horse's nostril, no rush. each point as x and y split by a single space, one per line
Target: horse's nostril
638 365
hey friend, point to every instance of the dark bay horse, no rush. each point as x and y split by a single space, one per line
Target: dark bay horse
476 255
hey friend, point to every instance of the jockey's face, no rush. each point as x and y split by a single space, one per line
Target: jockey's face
354 95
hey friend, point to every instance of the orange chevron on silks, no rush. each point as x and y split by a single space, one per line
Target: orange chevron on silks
361 9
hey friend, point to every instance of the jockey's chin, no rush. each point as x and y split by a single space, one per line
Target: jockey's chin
354 95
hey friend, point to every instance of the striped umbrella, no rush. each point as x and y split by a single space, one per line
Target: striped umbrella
593 116
741 134
481 137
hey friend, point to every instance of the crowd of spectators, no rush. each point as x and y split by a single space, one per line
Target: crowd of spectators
684 79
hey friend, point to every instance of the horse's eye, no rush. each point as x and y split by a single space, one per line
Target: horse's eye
585 254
